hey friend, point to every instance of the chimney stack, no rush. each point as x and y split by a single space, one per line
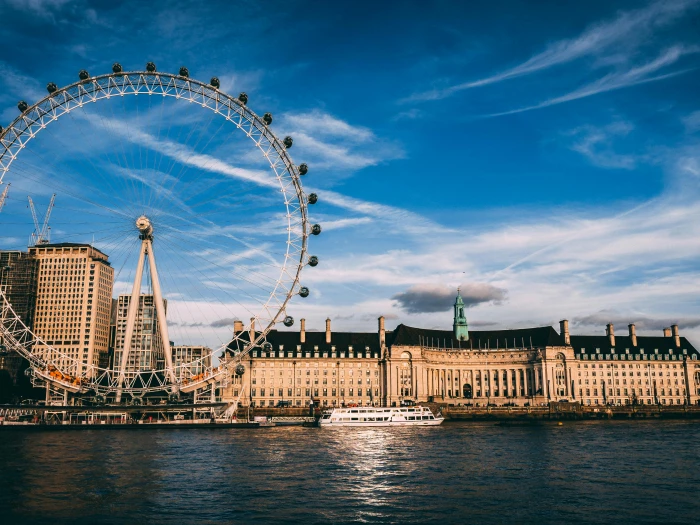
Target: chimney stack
382 332
633 334
328 331
252 329
676 336
237 327
564 329
610 332
667 332
302 333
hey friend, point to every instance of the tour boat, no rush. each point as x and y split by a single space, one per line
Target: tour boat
379 417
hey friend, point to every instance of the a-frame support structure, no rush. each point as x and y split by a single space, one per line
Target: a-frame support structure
146 235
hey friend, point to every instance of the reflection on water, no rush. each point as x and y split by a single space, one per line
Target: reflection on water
641 472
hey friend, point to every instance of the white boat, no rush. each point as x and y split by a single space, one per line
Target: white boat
379 417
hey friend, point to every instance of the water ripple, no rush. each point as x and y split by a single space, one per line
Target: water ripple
594 472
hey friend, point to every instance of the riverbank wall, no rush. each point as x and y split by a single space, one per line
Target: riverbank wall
550 412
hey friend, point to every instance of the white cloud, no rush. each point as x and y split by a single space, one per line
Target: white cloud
617 80
641 261
692 122
630 25
318 122
326 142
594 142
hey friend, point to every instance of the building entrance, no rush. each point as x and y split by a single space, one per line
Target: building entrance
467 391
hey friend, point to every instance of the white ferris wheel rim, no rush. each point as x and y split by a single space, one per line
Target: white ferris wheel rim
62 101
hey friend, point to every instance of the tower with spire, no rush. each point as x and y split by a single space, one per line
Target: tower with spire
461 330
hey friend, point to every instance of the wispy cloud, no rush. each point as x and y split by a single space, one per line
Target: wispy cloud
641 321
331 143
692 122
594 142
618 80
401 219
597 38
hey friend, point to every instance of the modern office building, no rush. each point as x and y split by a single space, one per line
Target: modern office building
18 282
147 349
73 300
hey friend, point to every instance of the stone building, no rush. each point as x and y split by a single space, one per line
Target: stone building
530 366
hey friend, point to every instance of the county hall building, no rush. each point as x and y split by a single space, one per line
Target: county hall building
529 366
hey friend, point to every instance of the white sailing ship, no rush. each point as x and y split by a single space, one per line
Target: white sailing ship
379 417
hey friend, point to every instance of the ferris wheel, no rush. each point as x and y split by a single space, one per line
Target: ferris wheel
151 166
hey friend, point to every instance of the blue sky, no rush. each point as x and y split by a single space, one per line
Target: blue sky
543 156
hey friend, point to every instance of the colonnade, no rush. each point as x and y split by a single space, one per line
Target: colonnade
485 382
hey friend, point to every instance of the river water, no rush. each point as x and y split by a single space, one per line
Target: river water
593 472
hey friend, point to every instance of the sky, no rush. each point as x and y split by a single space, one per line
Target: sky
544 157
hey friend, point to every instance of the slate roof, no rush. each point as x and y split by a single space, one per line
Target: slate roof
600 344
537 337
289 340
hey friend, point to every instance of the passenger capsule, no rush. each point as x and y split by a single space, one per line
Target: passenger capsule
51 87
304 291
243 98
288 142
288 321
315 229
240 369
116 67
313 198
267 347
303 169
215 82
184 72
151 67
313 261
83 75
22 106
267 118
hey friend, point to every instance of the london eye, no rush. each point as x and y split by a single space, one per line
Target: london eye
191 216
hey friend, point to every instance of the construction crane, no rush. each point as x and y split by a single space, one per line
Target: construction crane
3 197
41 235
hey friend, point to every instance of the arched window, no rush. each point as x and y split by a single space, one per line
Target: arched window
406 379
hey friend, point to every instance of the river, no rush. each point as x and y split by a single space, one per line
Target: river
593 472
